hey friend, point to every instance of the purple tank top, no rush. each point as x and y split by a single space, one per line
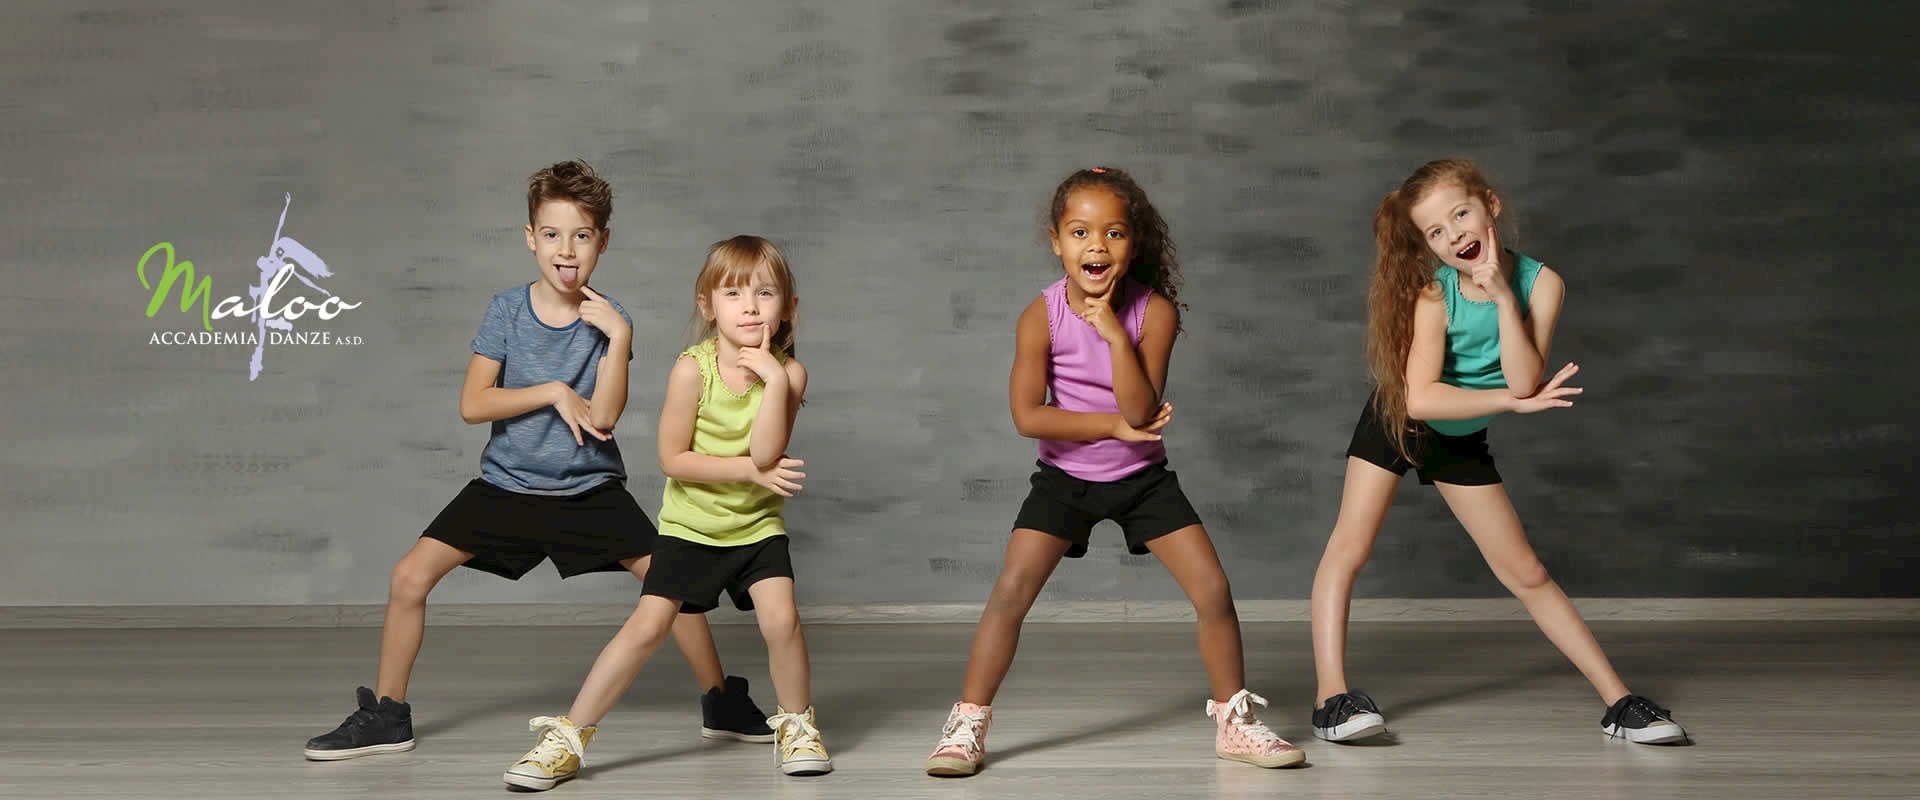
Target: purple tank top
1080 378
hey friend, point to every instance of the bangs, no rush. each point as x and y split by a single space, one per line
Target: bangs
733 262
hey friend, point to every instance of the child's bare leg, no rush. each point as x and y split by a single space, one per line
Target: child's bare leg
1190 557
1031 558
414 577
1364 501
1488 515
691 634
779 618
620 661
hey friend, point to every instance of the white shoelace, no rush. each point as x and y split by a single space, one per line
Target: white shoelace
1239 710
557 739
962 730
800 734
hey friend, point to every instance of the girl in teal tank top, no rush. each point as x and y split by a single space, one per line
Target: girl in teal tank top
1450 346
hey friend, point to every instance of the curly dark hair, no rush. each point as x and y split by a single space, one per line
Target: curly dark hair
1155 262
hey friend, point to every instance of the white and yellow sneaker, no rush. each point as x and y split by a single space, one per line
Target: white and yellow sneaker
798 743
555 758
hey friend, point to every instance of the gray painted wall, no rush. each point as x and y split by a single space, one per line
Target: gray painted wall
1727 187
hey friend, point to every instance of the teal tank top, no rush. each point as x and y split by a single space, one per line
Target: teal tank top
1473 339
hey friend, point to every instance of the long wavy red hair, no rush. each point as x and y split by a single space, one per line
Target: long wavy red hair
1402 269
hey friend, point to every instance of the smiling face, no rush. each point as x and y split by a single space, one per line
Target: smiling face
566 245
1094 240
1455 224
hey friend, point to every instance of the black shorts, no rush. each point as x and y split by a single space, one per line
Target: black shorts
1148 505
1459 460
695 573
510 533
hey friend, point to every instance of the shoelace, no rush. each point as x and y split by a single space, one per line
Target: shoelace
1350 703
1648 712
360 718
557 739
962 730
1239 711
798 733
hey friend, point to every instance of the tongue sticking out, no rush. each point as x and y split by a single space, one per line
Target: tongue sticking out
569 275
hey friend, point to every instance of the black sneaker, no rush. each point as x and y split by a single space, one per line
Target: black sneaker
1637 719
1348 716
383 727
726 712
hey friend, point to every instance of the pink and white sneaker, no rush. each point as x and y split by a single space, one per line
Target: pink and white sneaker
963 742
1243 738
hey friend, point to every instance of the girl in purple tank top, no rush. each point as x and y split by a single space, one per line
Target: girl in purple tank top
1089 372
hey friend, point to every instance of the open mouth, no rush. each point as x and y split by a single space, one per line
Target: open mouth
1469 253
569 274
1096 271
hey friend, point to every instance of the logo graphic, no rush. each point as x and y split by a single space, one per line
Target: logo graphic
286 260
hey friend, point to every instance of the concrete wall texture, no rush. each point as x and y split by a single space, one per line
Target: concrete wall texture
1728 189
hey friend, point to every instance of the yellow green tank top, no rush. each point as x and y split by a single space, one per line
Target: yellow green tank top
722 514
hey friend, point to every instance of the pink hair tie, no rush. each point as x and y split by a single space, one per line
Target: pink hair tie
1098 170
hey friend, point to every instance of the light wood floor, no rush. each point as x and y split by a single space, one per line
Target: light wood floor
1781 710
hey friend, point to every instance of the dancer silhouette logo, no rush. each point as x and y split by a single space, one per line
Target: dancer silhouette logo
273 314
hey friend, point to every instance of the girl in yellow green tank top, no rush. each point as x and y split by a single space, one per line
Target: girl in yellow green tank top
724 430
729 513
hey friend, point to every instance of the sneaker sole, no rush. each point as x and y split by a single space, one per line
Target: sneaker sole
809 767
1286 759
1661 735
1360 726
369 750
952 767
716 733
534 782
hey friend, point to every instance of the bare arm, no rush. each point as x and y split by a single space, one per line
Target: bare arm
482 401
1427 397
773 423
1027 389
609 399
1525 343
677 458
1140 374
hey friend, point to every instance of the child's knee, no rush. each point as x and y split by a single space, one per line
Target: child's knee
1524 576
1015 590
647 628
1213 598
778 624
1347 553
411 581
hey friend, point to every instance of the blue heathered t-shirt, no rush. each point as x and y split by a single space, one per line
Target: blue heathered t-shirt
534 453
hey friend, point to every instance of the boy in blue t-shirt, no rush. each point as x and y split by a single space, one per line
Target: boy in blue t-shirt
549 372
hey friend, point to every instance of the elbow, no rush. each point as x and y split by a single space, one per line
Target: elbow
469 411
1023 423
1417 406
1528 386
764 462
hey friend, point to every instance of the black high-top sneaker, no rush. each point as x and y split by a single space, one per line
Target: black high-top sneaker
726 712
374 728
